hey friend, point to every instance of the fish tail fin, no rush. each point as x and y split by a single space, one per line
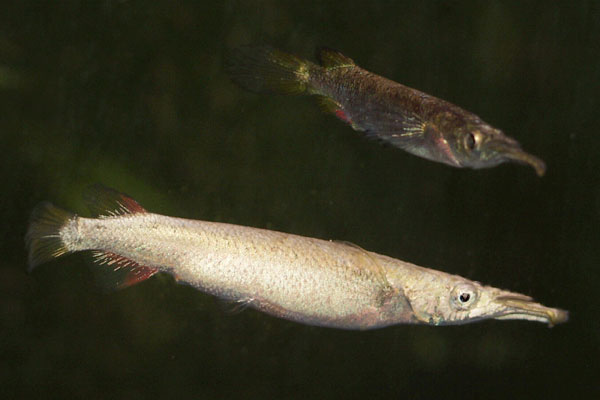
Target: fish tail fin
263 69
51 235
43 238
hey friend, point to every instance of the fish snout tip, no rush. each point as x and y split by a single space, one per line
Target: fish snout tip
539 166
524 308
522 157
557 316
509 150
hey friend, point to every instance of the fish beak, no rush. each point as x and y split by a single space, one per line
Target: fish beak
517 306
512 152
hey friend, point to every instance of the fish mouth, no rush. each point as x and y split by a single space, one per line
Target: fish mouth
523 307
514 153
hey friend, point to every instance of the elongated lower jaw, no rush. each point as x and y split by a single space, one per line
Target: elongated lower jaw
522 307
514 154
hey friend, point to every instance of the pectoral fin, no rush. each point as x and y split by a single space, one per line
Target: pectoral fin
368 261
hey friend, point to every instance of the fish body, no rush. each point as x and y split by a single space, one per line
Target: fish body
308 280
419 123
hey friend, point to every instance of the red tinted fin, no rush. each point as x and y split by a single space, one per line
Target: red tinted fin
329 105
104 201
341 114
120 272
136 275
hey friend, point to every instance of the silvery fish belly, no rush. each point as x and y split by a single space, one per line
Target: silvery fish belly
406 118
307 280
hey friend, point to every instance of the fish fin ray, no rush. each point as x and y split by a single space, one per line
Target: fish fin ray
263 69
327 104
330 58
396 128
240 305
105 201
330 106
372 263
119 272
43 239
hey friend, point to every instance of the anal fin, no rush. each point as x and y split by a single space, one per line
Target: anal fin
119 272
328 105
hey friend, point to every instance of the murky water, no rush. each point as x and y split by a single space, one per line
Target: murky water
133 95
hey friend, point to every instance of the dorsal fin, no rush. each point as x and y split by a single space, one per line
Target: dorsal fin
330 58
104 201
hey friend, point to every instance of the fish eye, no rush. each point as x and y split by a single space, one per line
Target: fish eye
464 296
470 141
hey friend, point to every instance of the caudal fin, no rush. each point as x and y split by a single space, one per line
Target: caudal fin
263 69
43 236
49 225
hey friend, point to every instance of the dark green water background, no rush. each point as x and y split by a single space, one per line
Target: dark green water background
132 94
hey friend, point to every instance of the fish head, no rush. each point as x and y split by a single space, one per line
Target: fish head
459 301
475 144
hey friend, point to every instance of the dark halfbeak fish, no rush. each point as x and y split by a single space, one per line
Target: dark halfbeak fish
411 120
311 281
